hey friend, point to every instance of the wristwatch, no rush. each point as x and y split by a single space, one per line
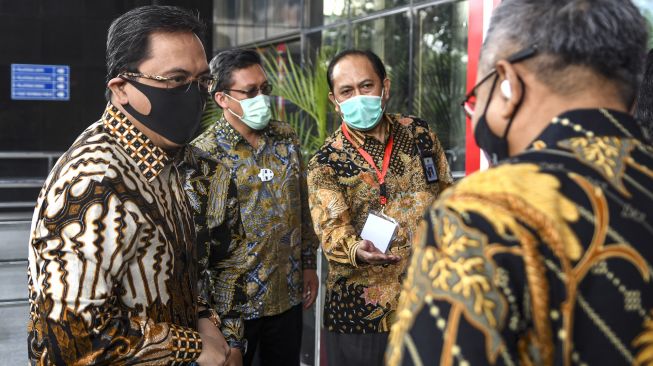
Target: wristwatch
212 315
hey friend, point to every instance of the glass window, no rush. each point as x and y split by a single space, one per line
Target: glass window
364 7
251 21
283 16
440 65
646 7
335 10
388 38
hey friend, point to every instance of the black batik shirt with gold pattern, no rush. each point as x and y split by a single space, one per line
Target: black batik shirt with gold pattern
343 189
221 246
112 275
544 259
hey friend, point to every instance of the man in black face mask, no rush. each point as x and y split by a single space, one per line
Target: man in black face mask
545 258
112 274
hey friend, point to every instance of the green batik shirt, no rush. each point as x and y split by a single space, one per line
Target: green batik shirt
272 194
221 247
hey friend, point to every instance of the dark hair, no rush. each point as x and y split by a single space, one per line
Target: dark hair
226 62
128 40
606 36
376 62
644 108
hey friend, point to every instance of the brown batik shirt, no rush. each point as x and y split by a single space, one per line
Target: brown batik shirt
343 189
112 277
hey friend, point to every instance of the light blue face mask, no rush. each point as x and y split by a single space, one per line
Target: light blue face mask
256 111
362 112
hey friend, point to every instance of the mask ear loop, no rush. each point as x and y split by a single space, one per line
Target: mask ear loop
237 101
487 105
519 103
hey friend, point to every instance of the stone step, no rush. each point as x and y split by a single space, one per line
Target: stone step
13 286
14 238
13 332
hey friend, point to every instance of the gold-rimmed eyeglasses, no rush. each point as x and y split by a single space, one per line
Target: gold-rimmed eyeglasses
204 82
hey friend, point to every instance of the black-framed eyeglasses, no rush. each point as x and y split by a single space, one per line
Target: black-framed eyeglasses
469 103
265 89
204 82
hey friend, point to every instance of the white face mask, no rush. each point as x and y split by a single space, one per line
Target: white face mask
256 111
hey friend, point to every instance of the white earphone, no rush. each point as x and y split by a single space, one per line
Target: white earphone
505 89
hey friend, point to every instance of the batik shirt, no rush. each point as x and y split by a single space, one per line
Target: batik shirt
112 276
220 240
343 188
542 260
271 190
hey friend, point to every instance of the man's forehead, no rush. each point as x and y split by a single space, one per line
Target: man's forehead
251 74
176 50
352 67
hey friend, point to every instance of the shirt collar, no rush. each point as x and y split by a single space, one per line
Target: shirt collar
226 133
360 138
150 158
588 123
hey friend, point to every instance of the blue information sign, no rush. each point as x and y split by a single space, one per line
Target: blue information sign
40 82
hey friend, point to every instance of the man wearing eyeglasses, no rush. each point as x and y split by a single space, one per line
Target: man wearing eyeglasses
545 258
264 158
112 272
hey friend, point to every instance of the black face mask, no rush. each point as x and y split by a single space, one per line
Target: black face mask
175 113
494 147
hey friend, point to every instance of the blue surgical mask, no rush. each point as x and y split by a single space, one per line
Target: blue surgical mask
362 112
256 111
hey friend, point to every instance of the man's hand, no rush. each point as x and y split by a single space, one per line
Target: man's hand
235 358
311 284
215 350
368 253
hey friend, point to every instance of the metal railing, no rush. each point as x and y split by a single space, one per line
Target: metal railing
25 182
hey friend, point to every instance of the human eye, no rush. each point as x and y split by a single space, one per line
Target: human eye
176 80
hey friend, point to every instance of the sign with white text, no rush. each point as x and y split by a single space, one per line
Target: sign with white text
40 82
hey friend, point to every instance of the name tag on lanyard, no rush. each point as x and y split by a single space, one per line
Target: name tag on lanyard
430 172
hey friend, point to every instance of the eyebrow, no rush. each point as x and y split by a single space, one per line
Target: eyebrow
179 70
340 88
254 85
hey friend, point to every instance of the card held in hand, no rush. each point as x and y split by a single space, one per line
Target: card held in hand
380 230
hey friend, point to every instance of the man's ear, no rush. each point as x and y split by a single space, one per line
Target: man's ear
221 99
510 87
117 87
332 98
386 90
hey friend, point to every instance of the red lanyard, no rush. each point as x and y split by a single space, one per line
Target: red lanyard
386 162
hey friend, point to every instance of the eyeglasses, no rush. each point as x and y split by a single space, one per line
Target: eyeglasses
204 82
469 104
265 89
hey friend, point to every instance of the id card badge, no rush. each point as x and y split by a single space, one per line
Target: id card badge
380 230
428 165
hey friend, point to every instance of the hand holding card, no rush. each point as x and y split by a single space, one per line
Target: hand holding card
368 253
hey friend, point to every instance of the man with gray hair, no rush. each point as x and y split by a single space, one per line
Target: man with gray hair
545 258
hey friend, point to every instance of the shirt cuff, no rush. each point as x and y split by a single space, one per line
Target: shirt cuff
352 254
186 344
309 261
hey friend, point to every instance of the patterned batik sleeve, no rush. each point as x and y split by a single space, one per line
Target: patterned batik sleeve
331 217
221 246
444 171
309 239
85 238
451 308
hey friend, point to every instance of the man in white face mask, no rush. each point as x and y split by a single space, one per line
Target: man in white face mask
264 157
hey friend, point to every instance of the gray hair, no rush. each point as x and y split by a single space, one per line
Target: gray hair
607 36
